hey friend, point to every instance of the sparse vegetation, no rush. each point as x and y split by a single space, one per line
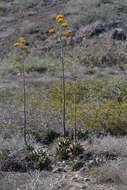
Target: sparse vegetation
40 159
50 135
70 117
68 150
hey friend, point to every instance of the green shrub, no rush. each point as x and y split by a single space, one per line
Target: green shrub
67 150
40 159
83 134
63 142
62 153
35 134
28 147
75 149
62 150
101 104
49 136
108 115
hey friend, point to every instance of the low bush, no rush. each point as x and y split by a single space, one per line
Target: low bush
40 159
62 150
68 150
49 136
75 149
83 134
62 153
28 147
101 105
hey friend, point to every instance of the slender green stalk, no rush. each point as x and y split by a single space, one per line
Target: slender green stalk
63 91
24 104
75 119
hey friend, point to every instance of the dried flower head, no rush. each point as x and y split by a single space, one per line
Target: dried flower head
64 25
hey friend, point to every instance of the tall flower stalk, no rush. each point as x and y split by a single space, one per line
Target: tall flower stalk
63 25
25 52
63 92
24 103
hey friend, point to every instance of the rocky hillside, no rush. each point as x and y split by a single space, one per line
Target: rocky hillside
95 57
86 19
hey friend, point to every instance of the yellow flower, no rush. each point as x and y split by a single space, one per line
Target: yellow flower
51 30
60 20
21 39
24 47
64 24
59 16
66 34
16 44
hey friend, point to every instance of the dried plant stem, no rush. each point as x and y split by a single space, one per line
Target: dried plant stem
75 119
63 91
24 104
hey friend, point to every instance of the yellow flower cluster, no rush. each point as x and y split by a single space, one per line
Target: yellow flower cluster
60 19
21 45
60 16
21 39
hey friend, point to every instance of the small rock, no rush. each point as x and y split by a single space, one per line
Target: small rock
60 169
61 184
43 37
55 187
86 179
91 161
68 168
84 187
75 177
74 188
31 13
77 166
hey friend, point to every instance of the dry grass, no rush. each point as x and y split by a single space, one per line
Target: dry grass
113 145
110 175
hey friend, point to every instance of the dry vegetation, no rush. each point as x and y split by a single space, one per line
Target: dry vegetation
95 68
